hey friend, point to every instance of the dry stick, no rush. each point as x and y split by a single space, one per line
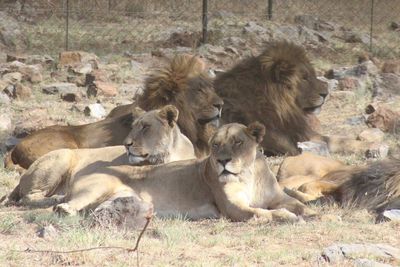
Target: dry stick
148 218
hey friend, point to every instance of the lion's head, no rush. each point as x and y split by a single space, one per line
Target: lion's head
185 84
154 134
233 150
278 88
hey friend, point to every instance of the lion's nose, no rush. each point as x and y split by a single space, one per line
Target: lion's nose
324 95
128 142
224 161
218 103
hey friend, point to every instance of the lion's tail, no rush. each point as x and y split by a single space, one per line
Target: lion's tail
375 187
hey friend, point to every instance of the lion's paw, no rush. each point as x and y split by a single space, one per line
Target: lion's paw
64 209
283 215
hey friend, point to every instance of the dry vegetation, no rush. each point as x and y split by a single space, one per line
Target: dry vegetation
134 26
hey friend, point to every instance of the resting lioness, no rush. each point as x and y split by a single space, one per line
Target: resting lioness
231 182
155 138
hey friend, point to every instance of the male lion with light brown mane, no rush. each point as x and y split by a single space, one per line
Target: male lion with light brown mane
155 138
232 182
280 89
181 83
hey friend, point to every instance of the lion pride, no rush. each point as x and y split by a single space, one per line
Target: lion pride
180 83
279 88
234 181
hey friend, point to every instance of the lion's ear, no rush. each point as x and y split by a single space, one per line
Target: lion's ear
257 130
282 71
170 113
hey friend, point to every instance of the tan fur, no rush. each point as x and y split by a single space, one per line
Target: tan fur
280 89
375 186
181 83
195 189
161 142
185 84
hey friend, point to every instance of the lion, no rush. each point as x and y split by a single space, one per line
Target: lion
232 182
155 138
279 88
375 186
180 84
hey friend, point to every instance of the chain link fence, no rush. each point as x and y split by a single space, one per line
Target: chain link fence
116 26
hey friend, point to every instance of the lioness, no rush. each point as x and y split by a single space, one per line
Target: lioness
155 138
180 84
231 182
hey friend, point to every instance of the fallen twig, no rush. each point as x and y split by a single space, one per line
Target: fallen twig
148 218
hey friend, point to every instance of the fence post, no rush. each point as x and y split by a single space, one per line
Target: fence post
372 25
269 9
205 20
66 25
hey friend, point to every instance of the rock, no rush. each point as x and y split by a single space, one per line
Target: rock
77 58
183 38
96 75
356 120
390 83
43 60
314 23
3 85
377 151
253 27
361 70
22 92
71 96
394 25
95 111
6 126
129 212
10 32
392 215
102 89
11 142
383 118
83 68
369 263
391 66
349 84
356 37
78 79
318 148
12 77
16 57
337 253
47 232
56 88
371 135
32 73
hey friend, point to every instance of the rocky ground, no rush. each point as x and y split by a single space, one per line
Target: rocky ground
38 90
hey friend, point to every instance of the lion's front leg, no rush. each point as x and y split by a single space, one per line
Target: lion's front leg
294 205
39 200
236 206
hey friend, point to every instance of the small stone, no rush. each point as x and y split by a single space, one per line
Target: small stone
83 68
102 88
32 73
372 135
349 84
12 77
392 215
71 96
96 75
377 151
16 57
332 83
253 27
384 118
56 88
78 79
22 92
47 232
76 58
95 111
391 66
318 148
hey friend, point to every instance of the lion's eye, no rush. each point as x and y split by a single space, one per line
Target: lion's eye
145 127
238 142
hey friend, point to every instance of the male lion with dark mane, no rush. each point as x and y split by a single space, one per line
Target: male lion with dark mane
181 83
280 89
155 139
231 182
